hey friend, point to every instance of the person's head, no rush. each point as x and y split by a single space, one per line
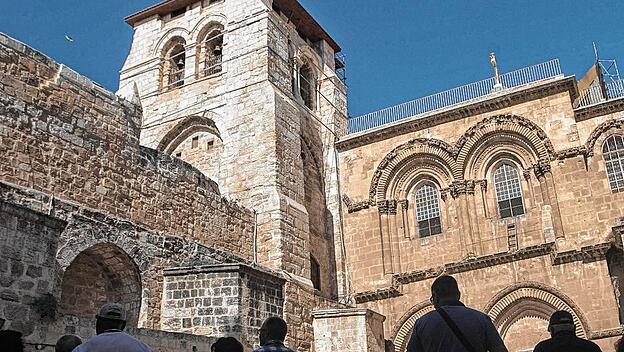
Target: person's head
227 344
110 317
561 321
67 343
274 328
11 341
444 289
619 346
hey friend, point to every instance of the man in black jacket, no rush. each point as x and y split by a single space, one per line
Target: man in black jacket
453 327
563 332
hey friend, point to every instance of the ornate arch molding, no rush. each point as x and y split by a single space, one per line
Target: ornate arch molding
527 130
306 54
183 129
82 235
173 33
206 24
600 133
433 150
401 332
496 146
532 299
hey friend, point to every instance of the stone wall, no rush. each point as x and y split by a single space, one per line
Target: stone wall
42 268
223 300
63 135
27 265
559 245
354 329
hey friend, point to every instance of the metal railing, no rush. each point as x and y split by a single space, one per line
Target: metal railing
595 93
456 96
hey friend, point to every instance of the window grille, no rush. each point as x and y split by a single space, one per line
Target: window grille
508 191
613 154
428 211
212 53
176 66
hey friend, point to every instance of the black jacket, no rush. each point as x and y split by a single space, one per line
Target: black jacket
568 342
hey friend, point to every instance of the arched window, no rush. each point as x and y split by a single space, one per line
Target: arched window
306 85
613 154
174 65
315 273
428 210
210 52
508 191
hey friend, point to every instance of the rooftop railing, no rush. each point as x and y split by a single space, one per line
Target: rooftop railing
595 93
460 95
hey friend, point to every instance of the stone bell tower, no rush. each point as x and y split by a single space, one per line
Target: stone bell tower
247 92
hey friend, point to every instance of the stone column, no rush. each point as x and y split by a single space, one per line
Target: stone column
355 329
403 224
458 192
547 184
387 214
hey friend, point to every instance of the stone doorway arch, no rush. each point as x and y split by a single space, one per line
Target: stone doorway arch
403 330
521 313
99 274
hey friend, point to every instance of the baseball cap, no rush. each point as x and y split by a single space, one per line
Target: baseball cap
112 311
560 317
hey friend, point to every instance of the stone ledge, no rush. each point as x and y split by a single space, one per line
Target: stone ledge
346 312
487 104
225 268
586 254
600 109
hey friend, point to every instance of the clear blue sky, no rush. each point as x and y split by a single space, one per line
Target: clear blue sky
396 50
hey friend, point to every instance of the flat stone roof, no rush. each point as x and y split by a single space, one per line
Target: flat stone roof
292 9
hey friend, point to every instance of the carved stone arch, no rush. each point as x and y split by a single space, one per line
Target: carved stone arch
434 150
306 54
495 147
79 236
184 128
532 299
413 171
206 24
509 125
99 264
402 331
601 133
169 37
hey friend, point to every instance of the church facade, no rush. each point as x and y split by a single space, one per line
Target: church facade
224 183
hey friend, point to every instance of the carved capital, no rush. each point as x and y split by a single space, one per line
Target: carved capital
403 203
457 188
387 206
483 184
541 168
527 174
470 187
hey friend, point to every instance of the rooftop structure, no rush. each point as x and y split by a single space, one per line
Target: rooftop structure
596 91
292 9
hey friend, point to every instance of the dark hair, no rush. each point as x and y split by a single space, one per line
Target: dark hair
619 346
67 343
445 286
103 324
276 328
227 344
11 341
